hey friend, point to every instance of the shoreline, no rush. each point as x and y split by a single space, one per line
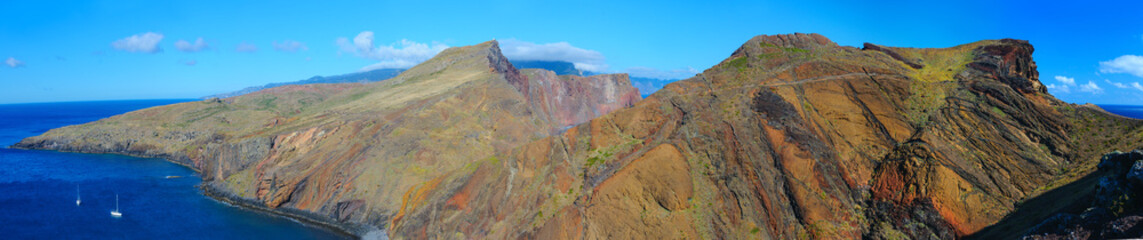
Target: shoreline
353 231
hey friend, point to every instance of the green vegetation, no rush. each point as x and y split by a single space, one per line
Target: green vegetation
738 64
924 100
599 156
890 233
939 64
998 112
266 102
768 56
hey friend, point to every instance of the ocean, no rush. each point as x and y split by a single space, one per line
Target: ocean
1130 111
38 188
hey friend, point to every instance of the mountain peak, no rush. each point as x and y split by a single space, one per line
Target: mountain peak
498 63
483 57
783 45
795 40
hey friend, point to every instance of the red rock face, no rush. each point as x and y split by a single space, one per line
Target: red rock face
570 100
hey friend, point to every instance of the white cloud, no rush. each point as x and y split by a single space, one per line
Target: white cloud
364 41
1059 88
587 60
290 46
646 72
190 62
1129 64
186 46
1116 84
13 63
1133 85
1066 80
246 47
1090 87
402 54
144 42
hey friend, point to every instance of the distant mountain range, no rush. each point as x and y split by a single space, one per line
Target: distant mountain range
361 77
559 67
646 86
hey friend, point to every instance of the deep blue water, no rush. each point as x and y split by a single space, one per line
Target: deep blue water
38 188
1124 110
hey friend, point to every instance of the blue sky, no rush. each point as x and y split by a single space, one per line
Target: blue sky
97 50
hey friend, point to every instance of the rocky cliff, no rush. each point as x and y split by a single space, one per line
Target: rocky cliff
354 154
1113 212
792 137
563 96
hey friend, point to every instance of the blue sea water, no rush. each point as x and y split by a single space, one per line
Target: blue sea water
1130 111
38 188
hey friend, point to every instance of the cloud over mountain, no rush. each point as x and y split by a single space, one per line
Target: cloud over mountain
587 60
402 54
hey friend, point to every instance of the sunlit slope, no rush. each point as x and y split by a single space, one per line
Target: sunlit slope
791 137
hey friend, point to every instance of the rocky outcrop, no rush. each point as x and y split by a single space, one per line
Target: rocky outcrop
571 100
915 63
353 154
1114 211
988 146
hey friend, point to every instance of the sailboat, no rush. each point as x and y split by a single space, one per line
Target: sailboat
115 213
77 199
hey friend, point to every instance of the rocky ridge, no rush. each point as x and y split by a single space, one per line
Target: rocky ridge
791 137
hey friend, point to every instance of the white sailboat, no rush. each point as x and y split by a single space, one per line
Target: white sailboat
115 213
77 199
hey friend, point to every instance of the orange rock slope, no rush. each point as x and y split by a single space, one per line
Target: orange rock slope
791 137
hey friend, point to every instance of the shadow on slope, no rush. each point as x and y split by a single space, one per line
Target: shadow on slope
1071 198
